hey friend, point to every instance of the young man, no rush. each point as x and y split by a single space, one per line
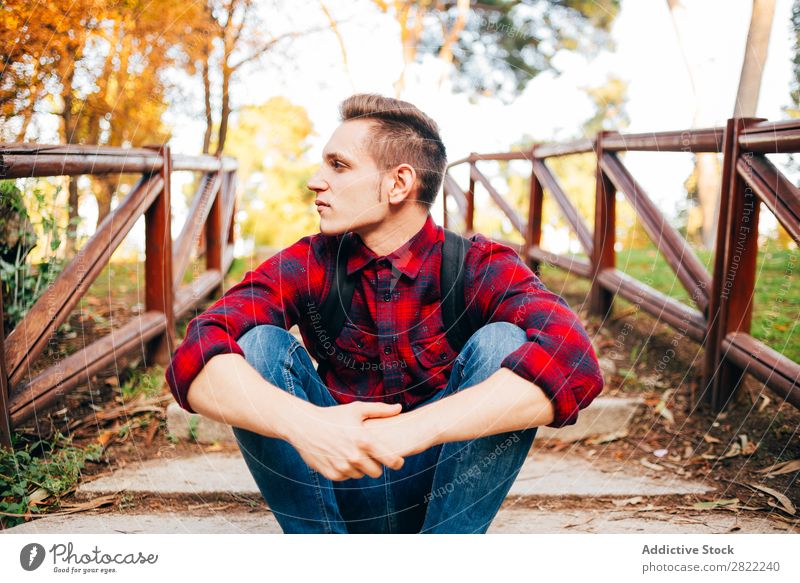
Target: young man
396 430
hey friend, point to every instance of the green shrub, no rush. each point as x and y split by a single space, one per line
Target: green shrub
20 282
36 481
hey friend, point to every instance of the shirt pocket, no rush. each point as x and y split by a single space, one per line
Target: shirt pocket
355 347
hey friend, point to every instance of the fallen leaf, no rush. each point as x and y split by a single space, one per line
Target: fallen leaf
709 439
71 509
579 523
781 468
38 495
786 504
608 438
715 504
105 437
651 465
737 448
765 400
748 447
660 452
664 411
661 407
634 500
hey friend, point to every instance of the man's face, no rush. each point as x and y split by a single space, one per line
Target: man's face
349 182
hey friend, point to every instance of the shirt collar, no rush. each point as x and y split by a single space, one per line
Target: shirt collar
407 258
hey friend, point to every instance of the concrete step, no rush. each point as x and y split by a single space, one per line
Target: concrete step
605 416
225 475
509 520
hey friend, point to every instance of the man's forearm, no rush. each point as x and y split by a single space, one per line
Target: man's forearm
503 402
229 390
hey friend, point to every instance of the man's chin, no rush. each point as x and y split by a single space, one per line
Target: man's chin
329 228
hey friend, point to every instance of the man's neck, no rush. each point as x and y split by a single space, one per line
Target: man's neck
391 236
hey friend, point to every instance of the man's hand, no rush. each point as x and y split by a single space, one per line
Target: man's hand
404 435
336 442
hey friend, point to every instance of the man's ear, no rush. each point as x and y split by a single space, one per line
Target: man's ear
404 180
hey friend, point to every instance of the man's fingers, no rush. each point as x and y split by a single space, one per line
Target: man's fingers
350 471
369 467
380 410
380 453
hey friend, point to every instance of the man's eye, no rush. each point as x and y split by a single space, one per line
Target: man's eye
335 162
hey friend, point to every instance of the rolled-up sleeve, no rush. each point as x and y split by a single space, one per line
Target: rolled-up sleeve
270 294
558 356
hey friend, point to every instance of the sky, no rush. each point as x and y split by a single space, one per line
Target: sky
646 54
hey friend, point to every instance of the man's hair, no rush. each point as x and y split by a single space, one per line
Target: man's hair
401 134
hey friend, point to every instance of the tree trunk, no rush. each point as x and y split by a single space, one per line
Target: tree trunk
708 185
103 192
225 113
755 56
72 189
207 102
72 214
707 164
409 37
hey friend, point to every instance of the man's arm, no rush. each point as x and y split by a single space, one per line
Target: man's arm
209 374
501 403
231 391
546 381
270 294
332 440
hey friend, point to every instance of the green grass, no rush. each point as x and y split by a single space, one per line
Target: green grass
776 302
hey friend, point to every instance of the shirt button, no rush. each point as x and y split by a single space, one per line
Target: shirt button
443 355
387 350
387 297
360 344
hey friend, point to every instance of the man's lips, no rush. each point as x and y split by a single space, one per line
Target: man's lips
321 205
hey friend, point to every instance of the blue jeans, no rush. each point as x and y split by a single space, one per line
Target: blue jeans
455 487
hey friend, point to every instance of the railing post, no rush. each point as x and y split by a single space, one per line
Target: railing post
533 236
159 292
231 240
469 219
5 419
733 282
213 231
600 299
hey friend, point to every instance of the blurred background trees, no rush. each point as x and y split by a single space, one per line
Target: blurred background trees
123 72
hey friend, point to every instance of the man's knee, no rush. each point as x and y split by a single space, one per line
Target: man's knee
267 349
493 342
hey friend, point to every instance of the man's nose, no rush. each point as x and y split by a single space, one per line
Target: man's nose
315 183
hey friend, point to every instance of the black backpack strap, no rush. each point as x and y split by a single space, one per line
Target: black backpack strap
340 295
458 325
457 321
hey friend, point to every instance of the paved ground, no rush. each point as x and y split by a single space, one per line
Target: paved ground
508 521
542 475
554 493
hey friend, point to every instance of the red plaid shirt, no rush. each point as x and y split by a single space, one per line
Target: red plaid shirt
393 347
